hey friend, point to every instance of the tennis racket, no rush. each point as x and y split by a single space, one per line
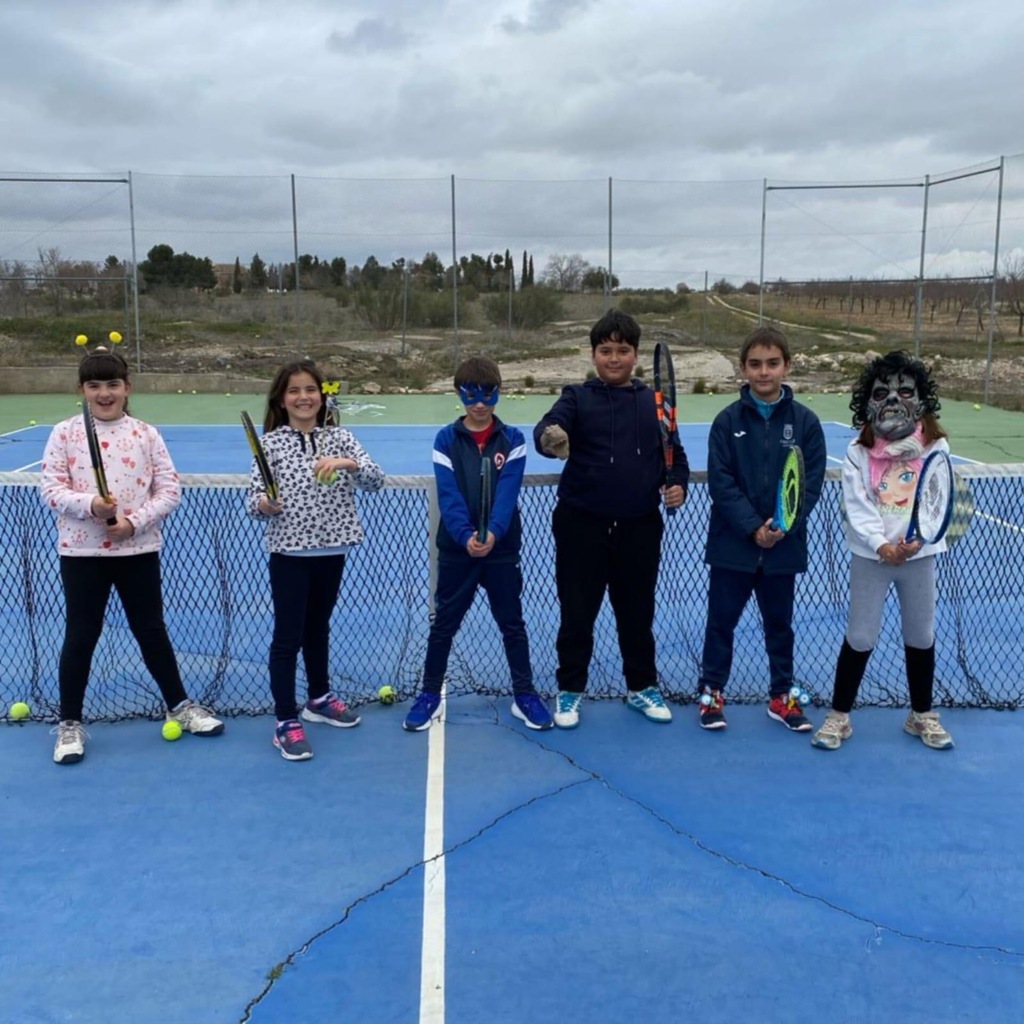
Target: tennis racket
486 498
933 500
269 484
96 456
665 406
789 499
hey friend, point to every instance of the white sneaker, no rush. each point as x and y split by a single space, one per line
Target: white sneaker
833 731
70 746
196 719
567 709
925 724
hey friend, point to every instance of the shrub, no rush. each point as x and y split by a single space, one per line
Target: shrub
700 386
657 303
531 308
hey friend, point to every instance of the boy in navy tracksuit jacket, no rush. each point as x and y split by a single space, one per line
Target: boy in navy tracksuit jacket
467 560
607 523
747 446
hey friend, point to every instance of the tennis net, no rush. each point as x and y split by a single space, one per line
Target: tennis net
219 614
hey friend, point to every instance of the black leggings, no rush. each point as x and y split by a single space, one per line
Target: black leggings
87 584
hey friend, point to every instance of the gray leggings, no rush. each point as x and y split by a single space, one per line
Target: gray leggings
915 589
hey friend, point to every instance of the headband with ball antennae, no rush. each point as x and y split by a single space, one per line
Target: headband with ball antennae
81 340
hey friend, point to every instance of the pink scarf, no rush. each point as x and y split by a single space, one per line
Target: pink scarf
882 454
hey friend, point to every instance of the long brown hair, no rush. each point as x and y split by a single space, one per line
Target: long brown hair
276 416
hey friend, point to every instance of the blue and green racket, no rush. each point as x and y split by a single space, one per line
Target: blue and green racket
789 500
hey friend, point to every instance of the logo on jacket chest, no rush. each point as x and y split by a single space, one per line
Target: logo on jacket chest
787 433
499 460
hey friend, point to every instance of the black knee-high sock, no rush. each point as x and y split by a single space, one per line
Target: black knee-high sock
849 672
920 676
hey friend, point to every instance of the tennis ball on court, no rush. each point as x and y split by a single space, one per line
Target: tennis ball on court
171 730
976 406
31 423
20 710
387 694
180 392
81 339
115 337
193 391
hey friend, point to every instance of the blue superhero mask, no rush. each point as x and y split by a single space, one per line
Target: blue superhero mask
473 393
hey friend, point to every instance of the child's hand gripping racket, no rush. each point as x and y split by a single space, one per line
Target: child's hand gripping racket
665 406
266 474
96 457
486 498
933 500
789 500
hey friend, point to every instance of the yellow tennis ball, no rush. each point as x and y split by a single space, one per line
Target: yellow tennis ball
976 406
387 694
171 730
81 339
31 423
115 337
20 710
331 478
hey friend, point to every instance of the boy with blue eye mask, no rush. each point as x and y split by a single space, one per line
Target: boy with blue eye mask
468 561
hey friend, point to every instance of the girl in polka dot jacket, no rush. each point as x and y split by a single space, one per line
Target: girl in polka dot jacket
308 531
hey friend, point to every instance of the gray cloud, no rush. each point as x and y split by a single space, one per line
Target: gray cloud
371 35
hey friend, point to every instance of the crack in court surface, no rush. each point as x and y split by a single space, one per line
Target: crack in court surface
593 776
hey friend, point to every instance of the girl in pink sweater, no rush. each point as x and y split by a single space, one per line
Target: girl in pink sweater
112 544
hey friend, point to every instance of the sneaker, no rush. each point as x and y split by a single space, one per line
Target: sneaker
567 709
290 739
422 712
529 708
196 719
650 704
833 731
70 745
926 725
712 709
331 710
787 710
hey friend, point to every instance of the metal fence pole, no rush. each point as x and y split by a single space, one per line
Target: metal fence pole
760 273
135 276
995 278
919 290
455 282
295 249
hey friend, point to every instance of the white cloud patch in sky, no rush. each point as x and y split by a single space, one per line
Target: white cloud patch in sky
566 92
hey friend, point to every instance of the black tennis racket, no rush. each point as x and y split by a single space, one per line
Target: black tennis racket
96 456
486 498
266 474
666 408
933 500
789 499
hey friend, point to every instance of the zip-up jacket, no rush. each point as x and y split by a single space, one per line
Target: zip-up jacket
313 516
457 462
616 466
745 457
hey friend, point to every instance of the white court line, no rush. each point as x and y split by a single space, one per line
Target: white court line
25 469
432 951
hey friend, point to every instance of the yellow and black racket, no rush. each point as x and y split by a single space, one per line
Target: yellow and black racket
269 484
96 456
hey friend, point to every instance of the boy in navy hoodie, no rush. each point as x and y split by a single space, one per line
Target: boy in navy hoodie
747 446
465 560
607 522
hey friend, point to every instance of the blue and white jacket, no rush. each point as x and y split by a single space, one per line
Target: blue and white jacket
457 473
745 457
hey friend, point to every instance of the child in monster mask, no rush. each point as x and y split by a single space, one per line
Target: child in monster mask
895 405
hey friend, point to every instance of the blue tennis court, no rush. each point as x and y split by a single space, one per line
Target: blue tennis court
402 450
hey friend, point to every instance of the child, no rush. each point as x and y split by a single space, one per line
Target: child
308 532
895 404
466 561
115 543
607 524
747 446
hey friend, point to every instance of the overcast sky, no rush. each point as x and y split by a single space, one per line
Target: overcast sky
537 90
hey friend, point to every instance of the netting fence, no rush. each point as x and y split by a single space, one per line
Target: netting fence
219 615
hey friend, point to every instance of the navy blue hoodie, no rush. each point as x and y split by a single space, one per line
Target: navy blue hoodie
615 466
745 456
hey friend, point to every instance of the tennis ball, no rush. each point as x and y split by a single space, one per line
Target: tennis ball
193 391
171 730
20 710
976 406
331 478
115 337
180 392
31 423
81 339
387 694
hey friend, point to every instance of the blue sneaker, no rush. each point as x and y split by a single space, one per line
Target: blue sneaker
290 739
529 708
567 709
650 704
331 710
422 712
